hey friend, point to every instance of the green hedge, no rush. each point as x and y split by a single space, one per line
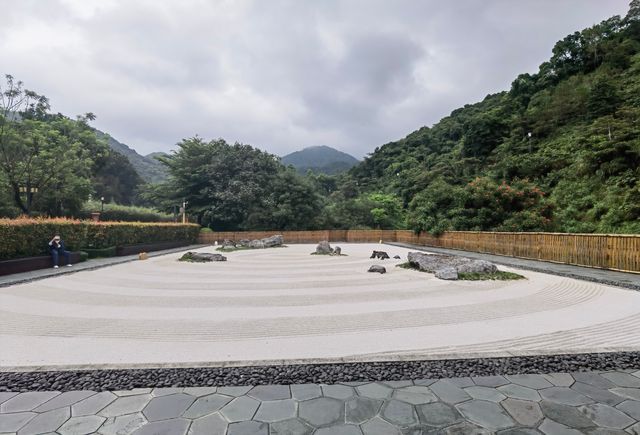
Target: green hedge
29 237
125 213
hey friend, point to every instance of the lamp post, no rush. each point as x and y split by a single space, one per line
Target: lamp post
529 135
102 204
28 190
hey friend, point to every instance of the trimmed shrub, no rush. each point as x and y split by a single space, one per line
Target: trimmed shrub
27 237
124 213
100 252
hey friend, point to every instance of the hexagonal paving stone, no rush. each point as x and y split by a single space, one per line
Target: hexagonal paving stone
519 392
290 427
248 428
206 405
48 421
425 382
550 427
622 379
490 381
342 429
124 424
631 408
594 379
605 431
5 395
240 408
378 426
485 393
210 424
597 394
465 428
360 409
322 411
519 431
399 413
524 412
270 392
64 399
27 401
338 391
166 407
176 426
234 391
132 392
486 414
634 430
374 390
560 379
126 405
415 394
627 393
398 384
92 405
275 410
159 392
606 416
200 391
81 425
438 414
305 391
565 414
565 396
531 381
13 422
448 392
461 382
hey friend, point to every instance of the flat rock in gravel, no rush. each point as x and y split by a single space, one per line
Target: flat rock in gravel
377 269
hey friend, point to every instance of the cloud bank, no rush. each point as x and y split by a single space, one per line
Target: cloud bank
279 74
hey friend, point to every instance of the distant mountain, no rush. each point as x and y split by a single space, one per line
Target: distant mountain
322 159
150 169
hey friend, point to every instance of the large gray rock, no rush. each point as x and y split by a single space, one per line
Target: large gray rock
256 244
244 243
477 266
226 243
449 266
324 248
448 273
276 240
202 257
377 268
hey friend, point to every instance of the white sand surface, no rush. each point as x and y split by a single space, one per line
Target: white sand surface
284 305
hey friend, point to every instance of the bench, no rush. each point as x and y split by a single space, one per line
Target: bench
27 264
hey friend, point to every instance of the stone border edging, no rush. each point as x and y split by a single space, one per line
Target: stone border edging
125 379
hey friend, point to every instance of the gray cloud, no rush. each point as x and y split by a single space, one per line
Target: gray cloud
279 74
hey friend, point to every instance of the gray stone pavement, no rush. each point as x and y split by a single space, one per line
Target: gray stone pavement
603 276
92 264
562 403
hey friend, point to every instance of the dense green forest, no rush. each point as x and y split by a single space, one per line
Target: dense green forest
558 151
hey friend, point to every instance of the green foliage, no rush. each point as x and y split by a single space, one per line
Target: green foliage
560 151
494 276
236 187
100 252
115 212
29 237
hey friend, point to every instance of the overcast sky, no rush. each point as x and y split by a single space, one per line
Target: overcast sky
278 74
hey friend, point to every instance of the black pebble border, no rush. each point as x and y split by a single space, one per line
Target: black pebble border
101 380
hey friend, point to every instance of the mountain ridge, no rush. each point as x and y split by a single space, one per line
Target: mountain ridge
321 159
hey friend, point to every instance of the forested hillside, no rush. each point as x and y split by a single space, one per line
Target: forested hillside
558 151
320 159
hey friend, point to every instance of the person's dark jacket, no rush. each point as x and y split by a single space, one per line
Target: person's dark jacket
57 246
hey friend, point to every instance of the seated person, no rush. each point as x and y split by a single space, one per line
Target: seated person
56 247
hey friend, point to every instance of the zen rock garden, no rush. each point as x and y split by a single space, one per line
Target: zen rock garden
268 242
324 248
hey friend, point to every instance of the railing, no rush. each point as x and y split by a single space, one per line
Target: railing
606 251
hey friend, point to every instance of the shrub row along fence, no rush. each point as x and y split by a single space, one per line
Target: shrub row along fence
29 237
606 251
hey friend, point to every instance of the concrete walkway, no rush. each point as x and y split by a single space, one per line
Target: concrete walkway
553 404
603 276
96 263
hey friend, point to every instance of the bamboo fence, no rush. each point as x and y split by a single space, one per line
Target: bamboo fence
606 251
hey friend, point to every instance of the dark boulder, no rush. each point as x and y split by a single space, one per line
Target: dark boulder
377 268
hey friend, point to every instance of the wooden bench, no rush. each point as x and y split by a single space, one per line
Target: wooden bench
27 264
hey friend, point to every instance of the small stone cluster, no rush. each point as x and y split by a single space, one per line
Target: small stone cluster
448 266
267 242
324 248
